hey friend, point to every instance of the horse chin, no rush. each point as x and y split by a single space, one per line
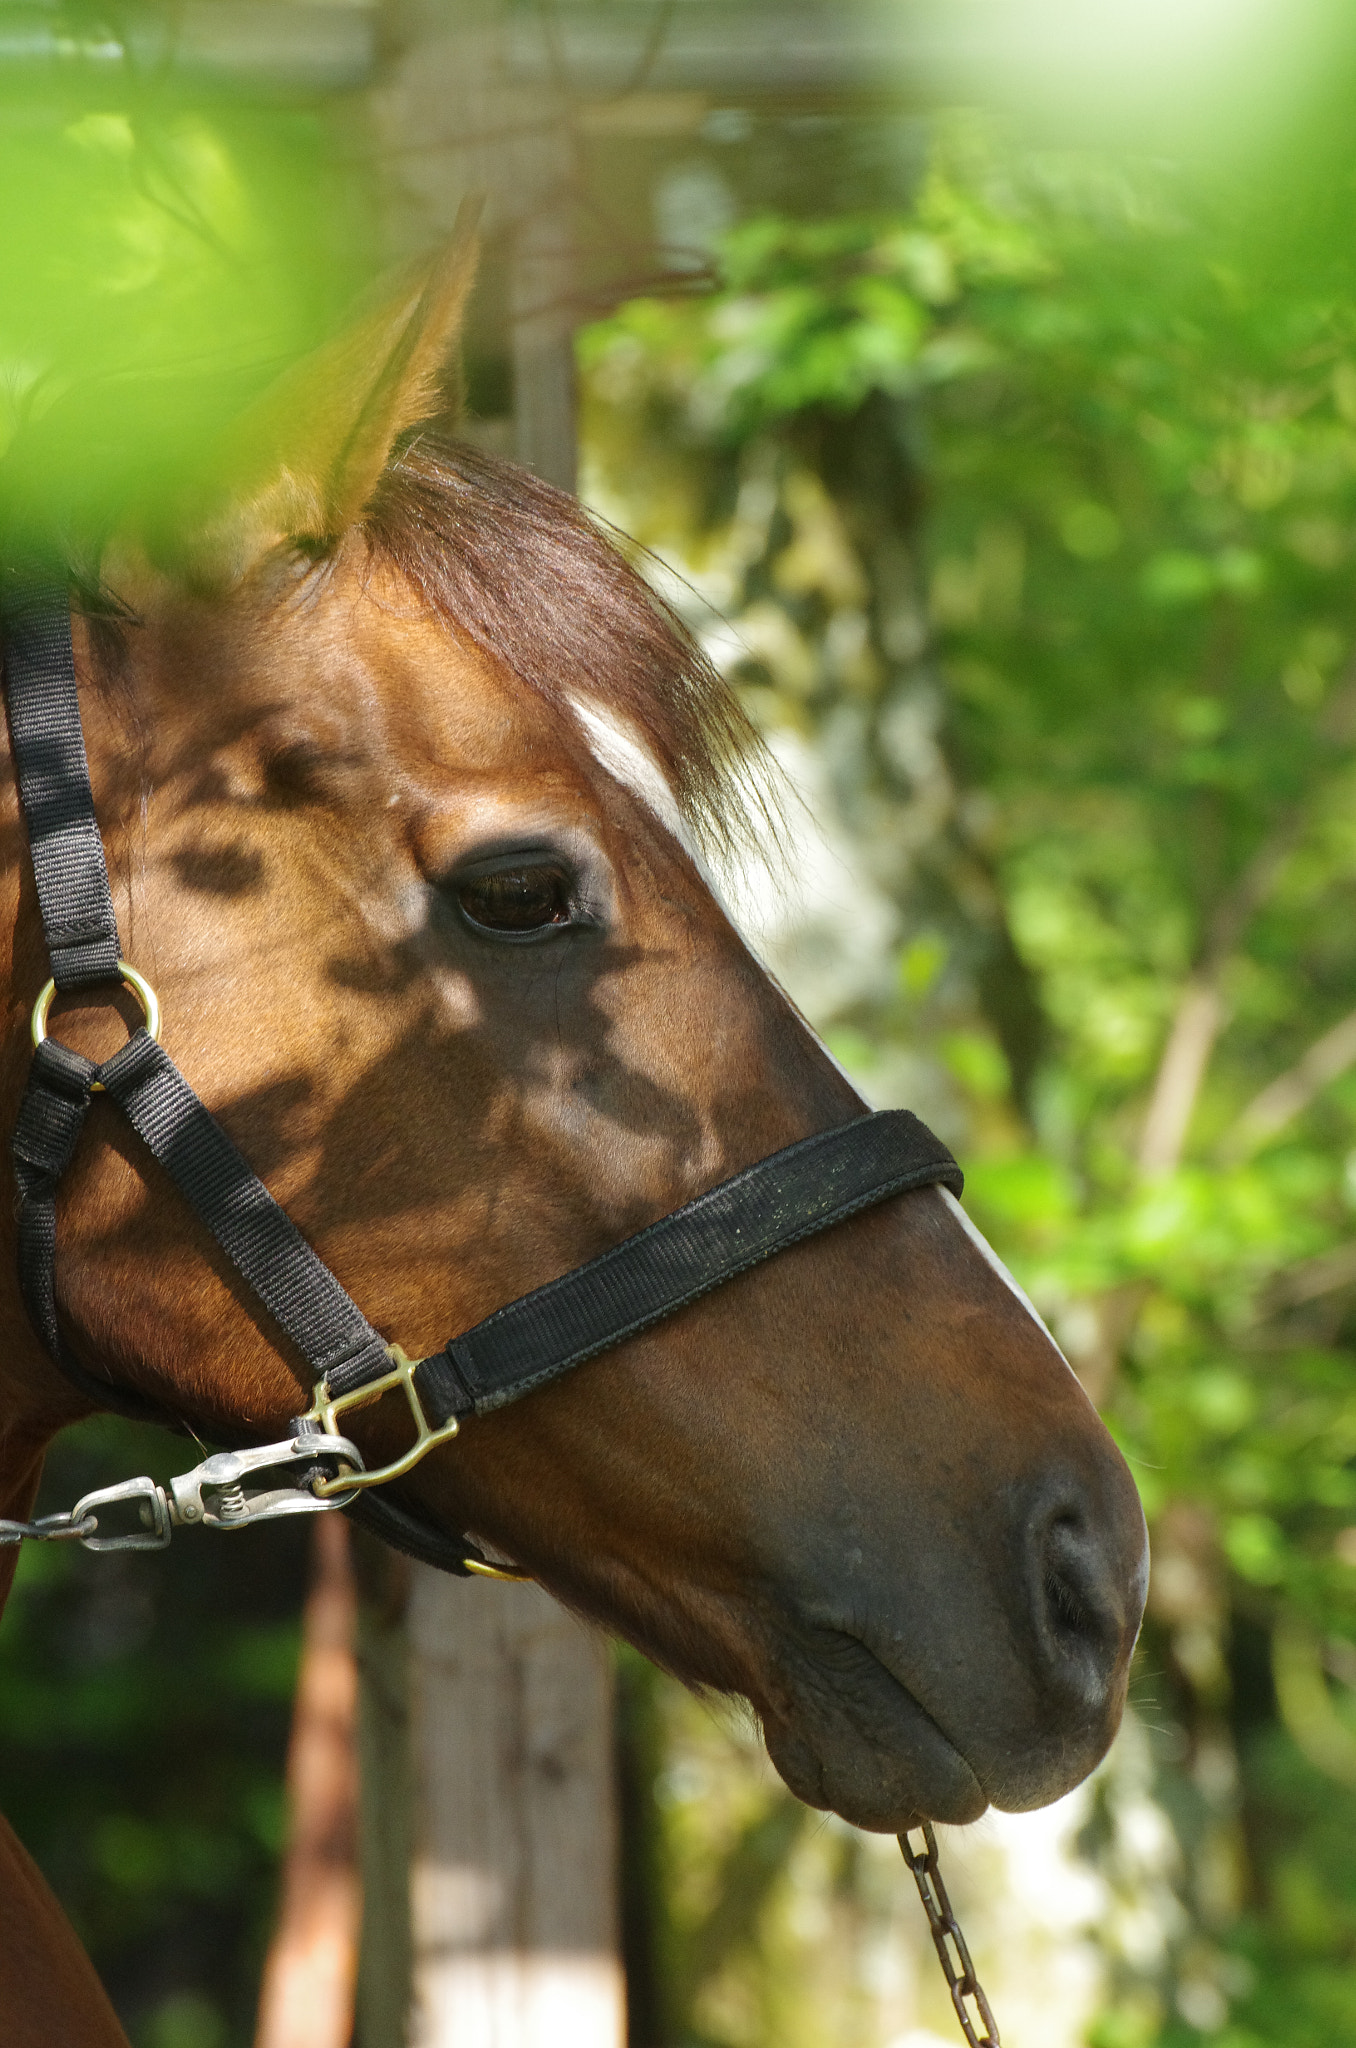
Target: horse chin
851 1737
853 1740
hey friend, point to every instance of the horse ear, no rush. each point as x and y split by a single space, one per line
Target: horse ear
304 460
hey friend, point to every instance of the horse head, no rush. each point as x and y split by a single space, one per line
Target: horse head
402 773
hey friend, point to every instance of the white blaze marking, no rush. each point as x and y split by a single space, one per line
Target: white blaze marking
616 748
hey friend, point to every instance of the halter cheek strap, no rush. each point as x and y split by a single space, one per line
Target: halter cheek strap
791 1195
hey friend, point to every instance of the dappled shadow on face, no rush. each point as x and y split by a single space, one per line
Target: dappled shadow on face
557 1091
225 868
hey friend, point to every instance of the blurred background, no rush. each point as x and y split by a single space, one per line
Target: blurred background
979 379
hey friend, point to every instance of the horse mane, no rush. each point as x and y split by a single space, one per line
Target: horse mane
524 571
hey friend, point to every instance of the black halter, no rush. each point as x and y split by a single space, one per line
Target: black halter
791 1195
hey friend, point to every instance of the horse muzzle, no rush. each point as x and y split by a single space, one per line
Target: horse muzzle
937 1703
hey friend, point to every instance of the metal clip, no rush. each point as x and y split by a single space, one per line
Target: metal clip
325 1407
217 1494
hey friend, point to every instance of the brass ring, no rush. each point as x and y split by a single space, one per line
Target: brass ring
140 987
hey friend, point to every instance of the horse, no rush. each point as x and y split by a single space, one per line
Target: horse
407 783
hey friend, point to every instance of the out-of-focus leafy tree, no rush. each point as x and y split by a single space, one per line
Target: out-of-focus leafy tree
1035 508
165 252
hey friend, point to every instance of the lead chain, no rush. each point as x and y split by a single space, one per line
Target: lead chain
62 1528
949 1942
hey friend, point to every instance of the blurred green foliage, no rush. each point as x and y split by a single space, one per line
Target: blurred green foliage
1034 508
164 253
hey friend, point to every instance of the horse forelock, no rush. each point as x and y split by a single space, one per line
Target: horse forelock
525 573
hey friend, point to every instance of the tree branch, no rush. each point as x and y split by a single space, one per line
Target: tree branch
1281 1100
1200 1013
1191 1041
1310 1279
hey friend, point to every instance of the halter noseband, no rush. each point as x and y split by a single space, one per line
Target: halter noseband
790 1195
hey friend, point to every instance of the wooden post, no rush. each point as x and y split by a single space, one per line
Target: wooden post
514 1872
494 1707
513 1898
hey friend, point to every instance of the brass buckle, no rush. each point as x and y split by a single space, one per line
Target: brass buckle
128 976
325 1408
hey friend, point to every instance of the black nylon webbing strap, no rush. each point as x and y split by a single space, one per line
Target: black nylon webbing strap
49 753
260 1239
51 1118
414 1534
791 1195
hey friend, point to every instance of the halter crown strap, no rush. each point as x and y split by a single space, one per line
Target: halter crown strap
778 1202
49 753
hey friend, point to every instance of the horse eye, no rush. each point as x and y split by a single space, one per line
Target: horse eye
516 899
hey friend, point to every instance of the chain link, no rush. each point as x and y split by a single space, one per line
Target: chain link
949 1942
62 1528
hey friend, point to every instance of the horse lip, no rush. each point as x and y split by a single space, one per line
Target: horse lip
925 1713
897 1741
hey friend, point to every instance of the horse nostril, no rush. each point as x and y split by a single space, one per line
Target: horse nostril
1066 1607
1079 1607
